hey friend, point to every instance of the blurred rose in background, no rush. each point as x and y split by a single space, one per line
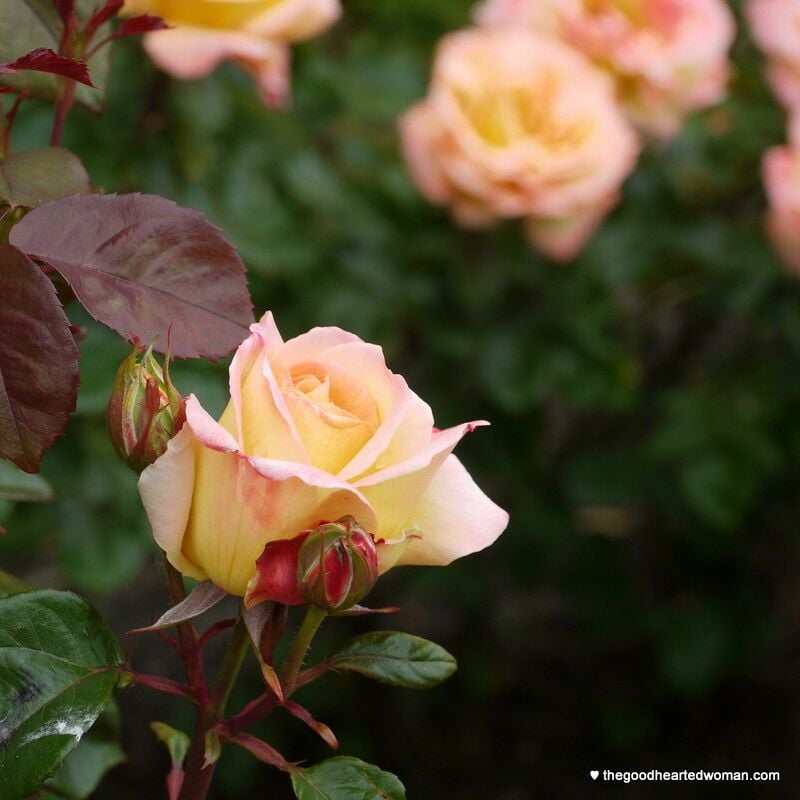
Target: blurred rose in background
775 25
781 174
518 125
255 34
667 57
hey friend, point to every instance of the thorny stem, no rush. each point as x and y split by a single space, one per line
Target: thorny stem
211 702
231 664
63 106
11 115
188 648
252 713
291 678
297 653
66 95
199 775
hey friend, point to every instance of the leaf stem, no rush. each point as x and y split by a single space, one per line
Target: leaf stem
297 653
160 684
63 106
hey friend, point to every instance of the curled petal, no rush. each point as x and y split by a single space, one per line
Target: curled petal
396 489
188 52
276 574
453 518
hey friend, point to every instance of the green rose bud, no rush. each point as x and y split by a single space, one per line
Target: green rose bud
145 410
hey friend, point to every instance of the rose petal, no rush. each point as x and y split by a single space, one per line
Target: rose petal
258 413
276 574
208 431
296 20
336 424
452 519
188 52
563 238
166 487
309 346
397 488
241 504
407 429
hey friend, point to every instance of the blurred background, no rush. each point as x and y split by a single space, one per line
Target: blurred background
643 609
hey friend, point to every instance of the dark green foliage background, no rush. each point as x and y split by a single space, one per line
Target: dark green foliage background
643 608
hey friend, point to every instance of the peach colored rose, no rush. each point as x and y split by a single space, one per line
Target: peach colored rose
668 57
781 175
317 428
776 28
518 125
254 33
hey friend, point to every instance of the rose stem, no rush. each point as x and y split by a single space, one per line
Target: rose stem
297 653
198 776
66 94
188 648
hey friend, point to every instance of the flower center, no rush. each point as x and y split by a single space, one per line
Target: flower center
523 111
334 414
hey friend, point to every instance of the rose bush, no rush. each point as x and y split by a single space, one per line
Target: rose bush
254 33
776 28
668 57
317 428
517 125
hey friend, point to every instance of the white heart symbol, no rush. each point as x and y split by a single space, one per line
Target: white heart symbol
595 774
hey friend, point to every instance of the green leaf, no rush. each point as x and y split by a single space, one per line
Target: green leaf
38 176
28 24
19 486
56 677
11 585
345 778
87 764
395 658
177 742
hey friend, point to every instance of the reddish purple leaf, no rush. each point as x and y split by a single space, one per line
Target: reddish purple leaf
145 267
320 728
262 751
65 8
44 60
133 26
203 597
38 362
101 16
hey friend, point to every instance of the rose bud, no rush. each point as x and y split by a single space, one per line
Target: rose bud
145 410
331 567
337 565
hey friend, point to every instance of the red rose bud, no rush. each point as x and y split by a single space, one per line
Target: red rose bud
337 565
332 567
145 410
